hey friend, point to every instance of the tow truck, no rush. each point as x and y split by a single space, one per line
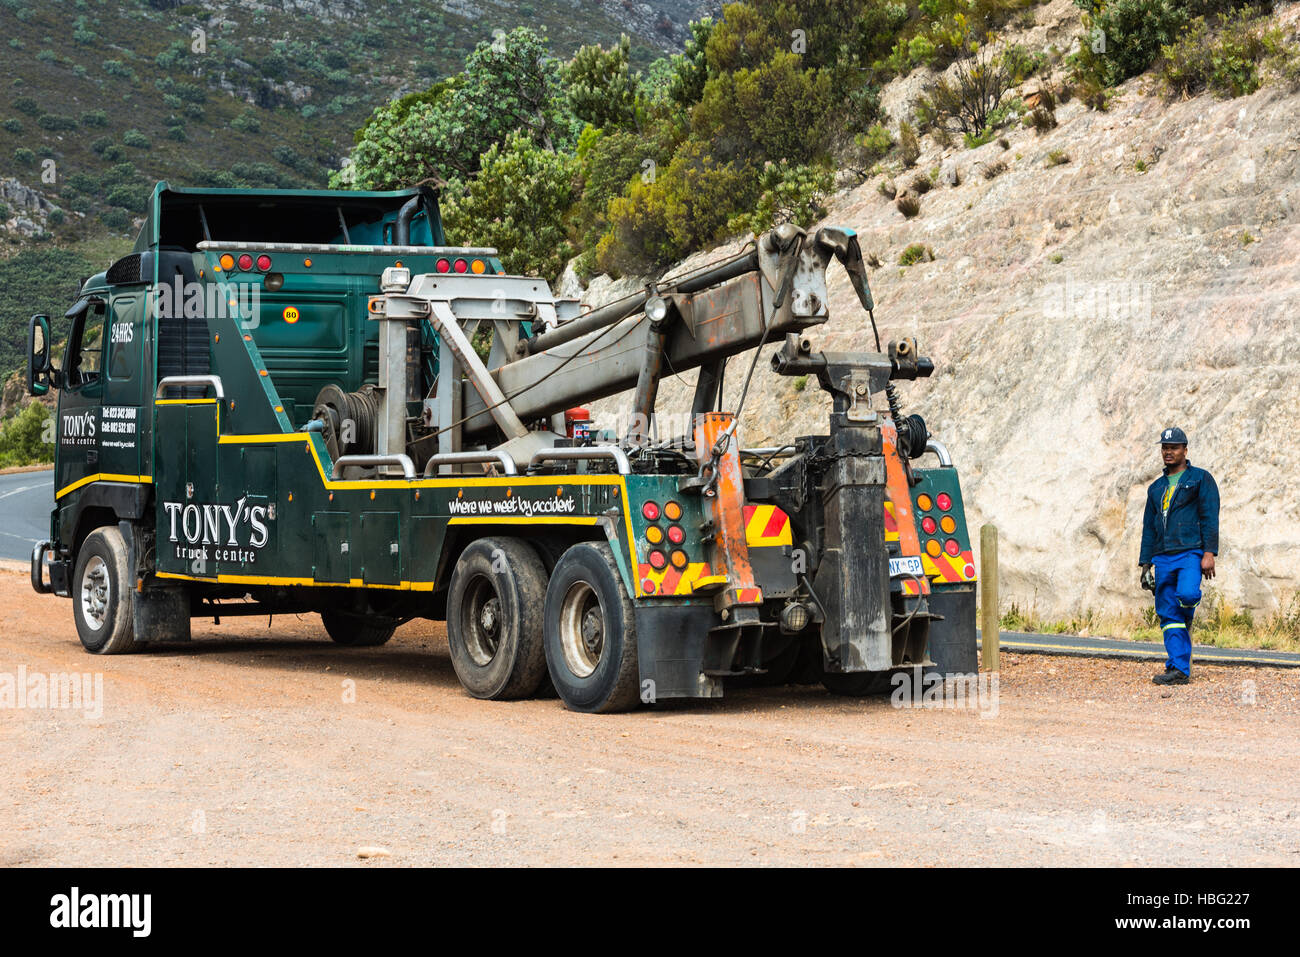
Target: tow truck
295 401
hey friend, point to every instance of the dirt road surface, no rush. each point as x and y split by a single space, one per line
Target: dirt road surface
272 746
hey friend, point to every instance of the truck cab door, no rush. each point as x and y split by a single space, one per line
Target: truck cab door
77 449
125 392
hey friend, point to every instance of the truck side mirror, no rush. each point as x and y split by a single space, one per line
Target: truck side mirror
38 355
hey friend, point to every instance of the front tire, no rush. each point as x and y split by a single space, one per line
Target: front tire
493 630
101 594
590 632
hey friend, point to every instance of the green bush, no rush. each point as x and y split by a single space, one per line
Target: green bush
1123 38
789 194
118 68
1227 61
517 203
777 110
24 435
246 122
13 125
115 219
94 118
916 253
24 157
136 139
608 163
685 208
600 87
25 104
56 122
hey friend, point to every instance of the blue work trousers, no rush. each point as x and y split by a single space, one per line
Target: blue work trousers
1178 592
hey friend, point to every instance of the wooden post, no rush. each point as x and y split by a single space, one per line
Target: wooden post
989 622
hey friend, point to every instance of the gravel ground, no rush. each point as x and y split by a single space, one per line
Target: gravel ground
271 746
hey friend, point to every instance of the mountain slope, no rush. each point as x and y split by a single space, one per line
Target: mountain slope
1073 311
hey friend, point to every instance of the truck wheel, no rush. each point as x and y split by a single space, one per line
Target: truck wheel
590 632
357 631
493 630
101 594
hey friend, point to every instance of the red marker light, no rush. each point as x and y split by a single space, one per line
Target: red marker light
442 265
951 547
651 511
245 261
927 525
264 262
460 265
944 500
676 535
657 559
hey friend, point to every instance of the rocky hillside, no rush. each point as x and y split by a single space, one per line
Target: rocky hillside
1127 270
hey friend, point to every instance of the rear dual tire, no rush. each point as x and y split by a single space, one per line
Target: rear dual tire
590 632
493 628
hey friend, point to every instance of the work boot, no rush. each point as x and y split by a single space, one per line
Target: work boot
1171 676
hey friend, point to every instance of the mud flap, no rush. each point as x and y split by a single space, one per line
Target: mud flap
852 581
952 640
670 646
159 612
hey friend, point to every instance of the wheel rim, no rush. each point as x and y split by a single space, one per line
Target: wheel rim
482 620
582 629
95 593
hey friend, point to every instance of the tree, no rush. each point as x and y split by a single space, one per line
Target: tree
772 112
600 87
509 84
517 203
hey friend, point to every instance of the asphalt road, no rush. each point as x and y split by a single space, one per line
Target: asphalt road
26 499
1141 650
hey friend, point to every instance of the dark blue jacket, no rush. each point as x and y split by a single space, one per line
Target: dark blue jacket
1193 519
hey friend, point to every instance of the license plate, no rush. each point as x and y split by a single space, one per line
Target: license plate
905 566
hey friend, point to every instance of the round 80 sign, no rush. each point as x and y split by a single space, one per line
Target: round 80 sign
291 314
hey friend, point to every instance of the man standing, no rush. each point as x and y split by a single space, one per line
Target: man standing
1180 537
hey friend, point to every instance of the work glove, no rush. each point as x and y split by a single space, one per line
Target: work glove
1149 578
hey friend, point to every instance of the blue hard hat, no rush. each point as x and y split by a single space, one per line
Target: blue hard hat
1173 437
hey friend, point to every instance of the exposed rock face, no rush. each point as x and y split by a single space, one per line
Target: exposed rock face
1075 310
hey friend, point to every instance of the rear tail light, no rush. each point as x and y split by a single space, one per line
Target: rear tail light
933 548
657 559
672 511
264 262
948 524
442 265
676 535
654 534
944 500
245 261
679 559
477 267
927 525
460 265
923 502
651 511
951 547
227 262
